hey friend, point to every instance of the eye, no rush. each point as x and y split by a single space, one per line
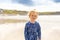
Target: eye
32 15
35 15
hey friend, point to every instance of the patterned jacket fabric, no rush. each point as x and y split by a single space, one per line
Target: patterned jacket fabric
32 31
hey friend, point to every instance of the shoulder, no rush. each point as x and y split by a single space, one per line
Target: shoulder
27 23
37 23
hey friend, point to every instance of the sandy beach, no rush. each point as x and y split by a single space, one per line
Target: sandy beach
13 29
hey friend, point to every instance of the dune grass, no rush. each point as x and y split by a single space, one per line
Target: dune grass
11 21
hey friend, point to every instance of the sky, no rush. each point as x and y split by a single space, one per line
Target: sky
39 5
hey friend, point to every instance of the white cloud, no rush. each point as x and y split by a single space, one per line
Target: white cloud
5 1
13 6
40 5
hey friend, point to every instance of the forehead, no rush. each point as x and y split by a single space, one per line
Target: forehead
33 13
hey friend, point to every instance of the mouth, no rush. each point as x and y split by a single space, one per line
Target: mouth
34 18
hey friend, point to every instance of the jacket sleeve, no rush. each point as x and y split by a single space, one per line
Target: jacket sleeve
25 33
39 32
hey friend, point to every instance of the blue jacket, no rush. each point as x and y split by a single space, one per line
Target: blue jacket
32 31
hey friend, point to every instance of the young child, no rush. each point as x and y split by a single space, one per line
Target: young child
32 28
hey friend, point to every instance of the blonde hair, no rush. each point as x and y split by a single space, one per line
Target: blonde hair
29 13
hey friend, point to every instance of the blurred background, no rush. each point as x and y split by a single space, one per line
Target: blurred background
13 17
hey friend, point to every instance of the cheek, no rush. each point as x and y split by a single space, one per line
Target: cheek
34 17
31 17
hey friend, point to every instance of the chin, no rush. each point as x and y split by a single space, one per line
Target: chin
34 19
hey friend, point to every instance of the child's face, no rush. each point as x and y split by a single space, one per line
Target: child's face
33 16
